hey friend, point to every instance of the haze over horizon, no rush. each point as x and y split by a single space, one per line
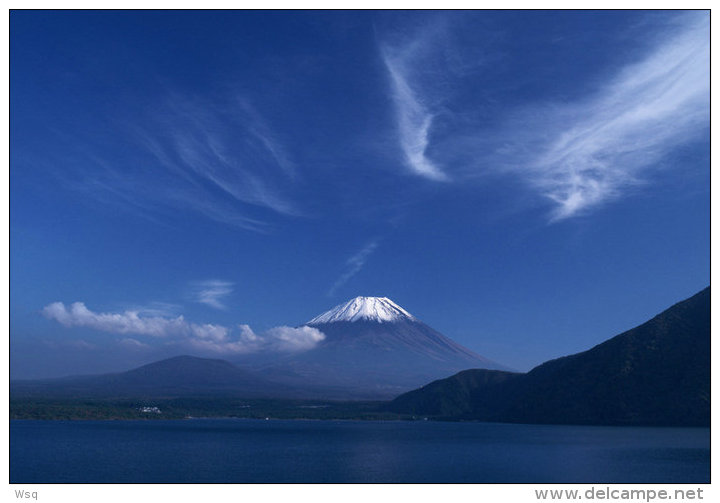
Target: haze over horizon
528 183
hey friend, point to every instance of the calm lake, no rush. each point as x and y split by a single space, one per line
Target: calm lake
275 451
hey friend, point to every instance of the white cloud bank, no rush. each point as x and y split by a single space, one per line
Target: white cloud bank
215 338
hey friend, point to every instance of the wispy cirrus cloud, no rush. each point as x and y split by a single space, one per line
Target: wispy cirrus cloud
218 158
157 309
130 343
178 331
211 292
353 265
600 147
213 145
258 127
577 154
412 116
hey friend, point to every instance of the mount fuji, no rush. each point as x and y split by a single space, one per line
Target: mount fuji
373 348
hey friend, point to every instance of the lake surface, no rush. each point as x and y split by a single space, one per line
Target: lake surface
275 451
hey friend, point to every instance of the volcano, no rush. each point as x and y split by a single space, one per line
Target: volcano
373 348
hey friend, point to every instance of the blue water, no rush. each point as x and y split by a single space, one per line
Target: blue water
246 450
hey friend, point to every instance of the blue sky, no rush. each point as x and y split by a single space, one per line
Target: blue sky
529 183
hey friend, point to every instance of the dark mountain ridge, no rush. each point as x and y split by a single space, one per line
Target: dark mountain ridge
655 374
178 376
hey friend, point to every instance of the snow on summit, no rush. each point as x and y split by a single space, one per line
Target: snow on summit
380 309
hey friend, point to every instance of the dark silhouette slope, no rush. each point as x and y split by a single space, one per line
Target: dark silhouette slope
655 374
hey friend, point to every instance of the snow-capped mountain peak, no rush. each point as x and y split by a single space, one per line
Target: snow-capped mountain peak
379 309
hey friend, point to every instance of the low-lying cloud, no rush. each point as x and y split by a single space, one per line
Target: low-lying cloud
210 337
282 338
128 322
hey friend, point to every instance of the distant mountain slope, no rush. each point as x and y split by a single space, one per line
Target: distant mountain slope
373 348
179 376
655 374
